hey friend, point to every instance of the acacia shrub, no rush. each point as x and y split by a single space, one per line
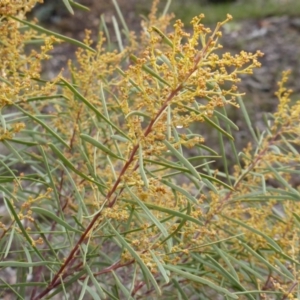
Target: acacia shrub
111 207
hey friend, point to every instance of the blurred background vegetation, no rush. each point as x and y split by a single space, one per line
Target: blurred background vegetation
214 10
241 9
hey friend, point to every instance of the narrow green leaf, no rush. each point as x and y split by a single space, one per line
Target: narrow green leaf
24 232
289 194
68 6
247 119
29 259
54 217
93 108
57 35
207 149
81 201
260 292
283 268
183 160
23 264
264 261
141 167
176 137
162 58
112 297
285 256
148 212
150 71
25 284
201 280
292 149
119 12
104 106
119 138
104 27
268 197
181 191
10 172
52 181
120 71
10 288
135 255
223 254
169 211
247 267
217 127
42 98
174 233
223 116
5 179
296 217
97 144
51 248
79 6
167 6
84 287
47 128
165 39
4 80
137 113
118 33
225 119
67 283
93 293
160 266
72 167
243 224
23 142
228 276
9 242
180 290
223 152
167 164
282 180
169 122
177 230
3 122
33 41
122 287
263 181
95 283
211 178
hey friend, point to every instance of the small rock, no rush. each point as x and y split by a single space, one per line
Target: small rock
296 23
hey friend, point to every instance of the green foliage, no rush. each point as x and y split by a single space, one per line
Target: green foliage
101 195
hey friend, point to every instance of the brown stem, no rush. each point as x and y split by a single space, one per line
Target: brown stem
147 131
110 193
290 290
